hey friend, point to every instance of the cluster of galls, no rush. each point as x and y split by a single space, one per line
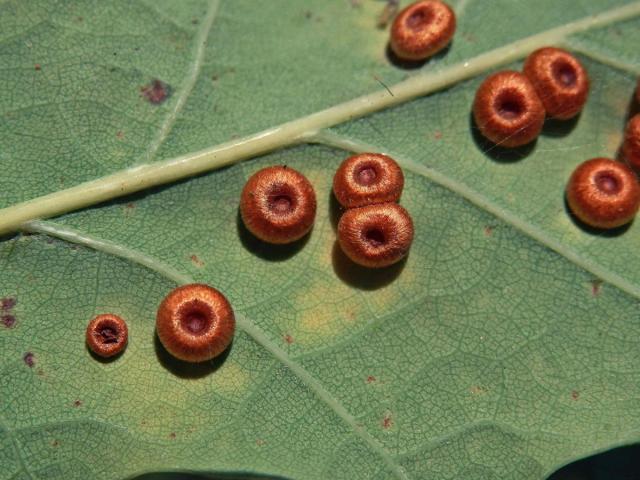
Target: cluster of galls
510 109
278 205
374 231
195 323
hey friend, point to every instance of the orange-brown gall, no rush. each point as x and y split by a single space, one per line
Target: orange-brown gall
278 205
107 335
603 193
560 79
376 236
422 29
507 109
631 144
195 323
368 178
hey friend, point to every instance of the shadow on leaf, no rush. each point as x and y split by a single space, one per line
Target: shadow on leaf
268 251
361 277
413 64
559 128
596 232
496 152
335 211
187 370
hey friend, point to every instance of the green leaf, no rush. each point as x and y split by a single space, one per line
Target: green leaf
504 347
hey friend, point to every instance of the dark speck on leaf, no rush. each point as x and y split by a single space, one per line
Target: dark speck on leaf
575 395
288 339
7 303
29 359
8 320
596 286
387 422
371 379
172 435
37 67
77 403
156 92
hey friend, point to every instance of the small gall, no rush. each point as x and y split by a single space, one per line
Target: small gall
422 29
278 205
560 80
368 178
507 109
603 193
631 144
107 335
195 323
376 236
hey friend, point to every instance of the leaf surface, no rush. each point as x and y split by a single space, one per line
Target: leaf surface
505 346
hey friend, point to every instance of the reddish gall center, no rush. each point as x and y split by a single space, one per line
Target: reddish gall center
374 237
366 175
196 317
108 334
509 105
419 18
608 182
564 73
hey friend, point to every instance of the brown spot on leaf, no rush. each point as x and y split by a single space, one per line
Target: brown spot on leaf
196 261
37 67
55 443
195 21
260 442
156 92
288 338
7 303
437 135
371 379
172 435
8 320
29 359
387 422
596 287
575 395
478 390
119 134
77 403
